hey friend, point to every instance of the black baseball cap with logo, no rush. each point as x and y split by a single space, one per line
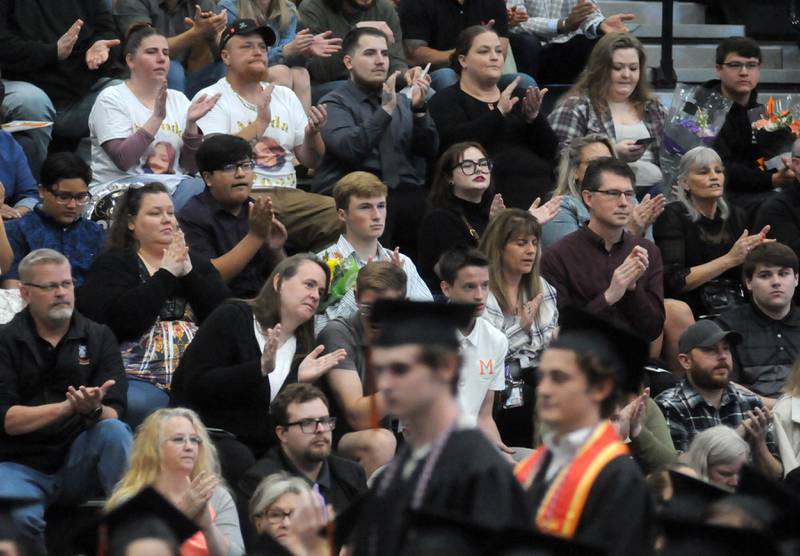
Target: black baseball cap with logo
244 27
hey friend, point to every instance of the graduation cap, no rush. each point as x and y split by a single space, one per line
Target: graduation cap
615 346
779 506
691 497
146 515
437 534
414 322
688 537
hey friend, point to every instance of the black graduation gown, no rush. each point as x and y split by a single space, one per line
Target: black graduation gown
619 514
470 481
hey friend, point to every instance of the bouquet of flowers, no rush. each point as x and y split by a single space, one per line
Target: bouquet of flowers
775 128
695 118
343 277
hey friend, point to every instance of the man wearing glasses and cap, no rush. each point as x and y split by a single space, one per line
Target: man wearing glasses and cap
706 397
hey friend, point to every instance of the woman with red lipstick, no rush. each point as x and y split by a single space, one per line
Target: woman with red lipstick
612 97
173 453
151 292
247 351
518 138
460 204
130 120
522 305
702 238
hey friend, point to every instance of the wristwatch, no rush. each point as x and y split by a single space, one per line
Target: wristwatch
93 416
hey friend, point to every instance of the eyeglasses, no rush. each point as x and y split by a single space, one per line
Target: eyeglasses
739 65
245 165
182 440
63 198
309 426
616 193
274 516
52 286
470 167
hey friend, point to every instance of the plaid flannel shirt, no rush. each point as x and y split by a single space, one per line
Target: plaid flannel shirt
526 346
543 16
576 116
687 413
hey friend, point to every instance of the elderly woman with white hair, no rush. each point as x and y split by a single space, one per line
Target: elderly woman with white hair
703 240
287 509
717 455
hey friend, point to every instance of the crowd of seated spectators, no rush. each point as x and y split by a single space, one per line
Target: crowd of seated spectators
214 196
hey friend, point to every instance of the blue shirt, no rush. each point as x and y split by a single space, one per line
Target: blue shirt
80 242
15 174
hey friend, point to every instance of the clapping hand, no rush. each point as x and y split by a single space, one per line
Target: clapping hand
532 103
97 55
630 416
317 118
616 23
529 312
175 259
84 399
201 106
388 93
323 45
160 104
646 213
314 365
194 501
755 426
67 41
273 337
745 243
507 101
547 211
498 205
396 258
263 112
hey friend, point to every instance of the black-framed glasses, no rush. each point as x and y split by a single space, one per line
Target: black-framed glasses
737 66
309 426
51 286
244 165
63 198
616 194
470 167
274 516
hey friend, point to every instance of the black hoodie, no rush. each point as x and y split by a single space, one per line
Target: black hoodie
737 149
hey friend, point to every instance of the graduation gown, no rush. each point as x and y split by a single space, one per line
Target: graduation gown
470 480
619 512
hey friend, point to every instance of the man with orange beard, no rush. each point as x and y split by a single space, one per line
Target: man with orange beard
272 118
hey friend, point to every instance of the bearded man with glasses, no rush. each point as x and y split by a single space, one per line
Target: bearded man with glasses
57 222
304 429
601 266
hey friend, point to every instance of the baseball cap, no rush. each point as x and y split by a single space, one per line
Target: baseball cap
243 27
705 333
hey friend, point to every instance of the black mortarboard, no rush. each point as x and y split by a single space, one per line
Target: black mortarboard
614 345
780 507
691 497
434 533
146 515
692 538
413 322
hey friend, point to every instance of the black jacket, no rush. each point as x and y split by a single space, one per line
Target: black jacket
88 355
219 376
782 213
737 148
340 481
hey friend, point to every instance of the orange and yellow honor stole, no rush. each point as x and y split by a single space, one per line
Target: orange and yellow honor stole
561 508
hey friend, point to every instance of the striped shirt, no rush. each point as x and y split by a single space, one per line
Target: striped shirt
543 17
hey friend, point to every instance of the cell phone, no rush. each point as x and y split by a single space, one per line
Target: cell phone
644 141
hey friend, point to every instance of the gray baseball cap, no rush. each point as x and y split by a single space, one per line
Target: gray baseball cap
705 333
